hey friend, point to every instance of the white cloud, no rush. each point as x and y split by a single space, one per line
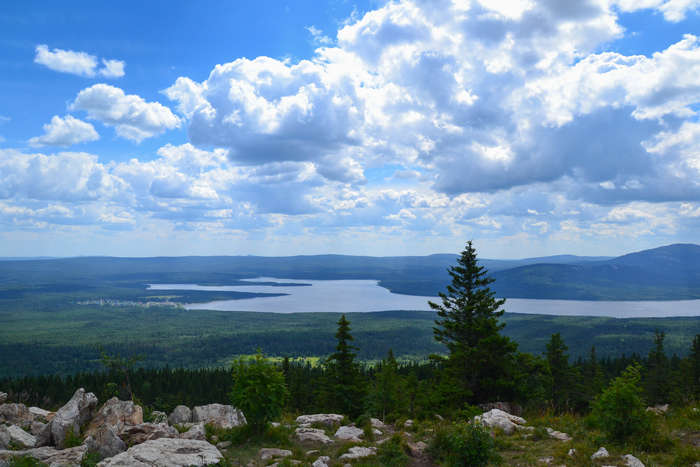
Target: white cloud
132 117
65 132
77 63
673 10
318 37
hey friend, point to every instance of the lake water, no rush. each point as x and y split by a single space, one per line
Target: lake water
348 296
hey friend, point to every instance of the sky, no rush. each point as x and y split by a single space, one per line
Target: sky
532 127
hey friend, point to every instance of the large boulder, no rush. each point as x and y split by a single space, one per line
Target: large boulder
196 431
498 419
3 397
313 435
41 415
76 413
182 414
15 414
16 436
115 414
328 419
53 457
166 452
219 415
106 442
631 461
137 434
349 433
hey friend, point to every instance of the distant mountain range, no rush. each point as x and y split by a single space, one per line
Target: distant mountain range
667 273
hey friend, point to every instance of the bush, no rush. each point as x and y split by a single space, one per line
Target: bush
258 390
25 461
463 445
619 411
392 453
72 439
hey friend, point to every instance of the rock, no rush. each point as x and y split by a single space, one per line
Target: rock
572 452
105 441
71 457
41 415
600 454
658 409
357 452
417 449
270 453
439 417
197 431
116 414
545 460
321 462
181 414
376 423
222 416
275 424
19 437
328 419
223 444
511 408
15 414
3 397
77 411
632 461
558 435
166 452
312 452
376 432
349 433
137 434
312 435
408 423
159 417
496 418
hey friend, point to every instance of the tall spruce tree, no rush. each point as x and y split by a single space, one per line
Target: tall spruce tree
559 371
344 389
480 360
657 371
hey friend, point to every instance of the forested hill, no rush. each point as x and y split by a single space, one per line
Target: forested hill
670 272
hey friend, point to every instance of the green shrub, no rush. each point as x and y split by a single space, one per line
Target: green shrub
392 453
72 439
90 459
25 461
463 445
619 411
540 433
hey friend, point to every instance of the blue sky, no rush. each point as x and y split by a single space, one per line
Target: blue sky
533 127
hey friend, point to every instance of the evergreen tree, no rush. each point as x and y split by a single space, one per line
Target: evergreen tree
694 359
480 360
387 397
559 372
344 391
657 372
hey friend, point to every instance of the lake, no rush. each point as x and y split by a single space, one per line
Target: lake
350 296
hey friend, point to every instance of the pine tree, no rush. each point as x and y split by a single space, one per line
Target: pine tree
344 391
658 372
694 359
559 371
480 359
387 397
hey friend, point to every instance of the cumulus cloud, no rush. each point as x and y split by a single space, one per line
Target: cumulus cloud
65 132
673 10
132 117
318 37
77 63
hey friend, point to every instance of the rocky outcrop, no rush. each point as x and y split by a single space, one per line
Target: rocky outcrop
561 436
3 397
71 457
159 417
115 414
106 442
271 453
76 413
4 437
349 433
219 415
631 461
15 414
509 407
321 462
358 452
41 415
181 414
166 452
498 419
196 431
329 419
601 453
137 434
313 435
16 436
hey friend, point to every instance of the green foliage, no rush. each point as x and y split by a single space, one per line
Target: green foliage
25 461
387 397
72 439
258 390
657 386
344 390
392 453
463 445
480 361
90 459
559 371
619 411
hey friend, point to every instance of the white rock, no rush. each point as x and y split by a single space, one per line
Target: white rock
313 435
545 460
358 452
15 414
496 418
20 437
223 444
329 419
106 442
558 435
166 452
4 437
408 423
321 462
600 454
137 434
416 449
3 397
658 409
377 432
159 417
41 415
196 431
572 452
71 457
116 414
631 461
376 423
76 413
349 433
270 453
181 414
222 416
